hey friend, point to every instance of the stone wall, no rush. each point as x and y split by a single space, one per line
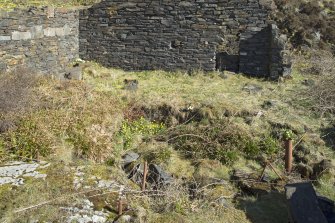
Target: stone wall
43 40
210 35
170 35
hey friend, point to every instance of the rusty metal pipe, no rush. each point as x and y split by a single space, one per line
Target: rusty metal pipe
288 155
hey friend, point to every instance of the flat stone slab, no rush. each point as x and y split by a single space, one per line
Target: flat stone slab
85 213
303 204
13 173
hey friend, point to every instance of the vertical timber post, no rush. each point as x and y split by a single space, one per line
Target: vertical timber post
120 201
145 172
288 155
120 207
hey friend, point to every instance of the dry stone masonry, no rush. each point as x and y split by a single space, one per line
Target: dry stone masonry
231 35
210 35
43 40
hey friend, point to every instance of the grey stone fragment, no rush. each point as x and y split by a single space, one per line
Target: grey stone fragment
252 88
125 219
51 12
308 82
67 30
158 176
60 31
37 32
49 32
287 71
5 38
185 4
129 158
13 172
84 213
21 35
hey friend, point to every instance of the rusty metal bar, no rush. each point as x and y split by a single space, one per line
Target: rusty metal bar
288 155
274 170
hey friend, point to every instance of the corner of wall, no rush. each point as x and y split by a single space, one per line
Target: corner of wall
280 63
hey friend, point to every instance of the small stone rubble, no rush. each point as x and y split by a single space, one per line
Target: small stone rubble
78 177
15 172
80 183
85 213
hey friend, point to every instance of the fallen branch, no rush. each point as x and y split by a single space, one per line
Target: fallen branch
301 138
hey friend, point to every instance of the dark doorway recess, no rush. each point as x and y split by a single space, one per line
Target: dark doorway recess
224 61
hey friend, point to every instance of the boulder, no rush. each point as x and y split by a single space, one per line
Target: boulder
158 177
252 88
129 158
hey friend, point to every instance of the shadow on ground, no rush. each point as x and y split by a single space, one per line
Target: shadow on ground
268 208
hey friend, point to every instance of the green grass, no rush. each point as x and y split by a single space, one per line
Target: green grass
93 122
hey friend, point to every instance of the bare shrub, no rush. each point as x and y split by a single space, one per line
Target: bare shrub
307 22
322 95
222 141
16 92
319 62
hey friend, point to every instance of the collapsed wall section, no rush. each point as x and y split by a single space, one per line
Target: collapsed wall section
42 40
170 35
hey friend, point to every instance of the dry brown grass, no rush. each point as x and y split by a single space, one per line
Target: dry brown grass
49 114
317 62
17 92
322 95
307 22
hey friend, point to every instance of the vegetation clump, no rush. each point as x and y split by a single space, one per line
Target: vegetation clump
309 23
199 129
221 141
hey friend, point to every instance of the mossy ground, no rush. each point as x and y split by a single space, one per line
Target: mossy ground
94 121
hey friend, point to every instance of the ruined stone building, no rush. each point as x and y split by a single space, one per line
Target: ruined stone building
209 35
